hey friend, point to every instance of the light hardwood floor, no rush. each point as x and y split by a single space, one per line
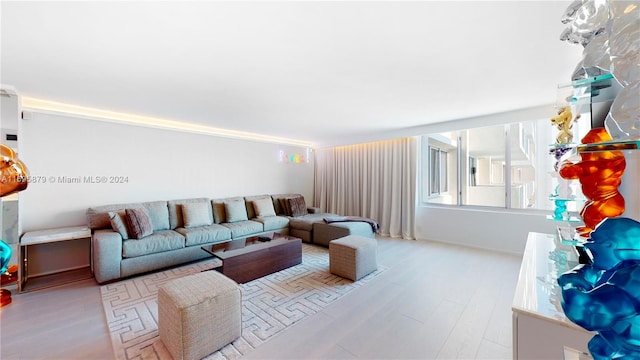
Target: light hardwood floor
435 301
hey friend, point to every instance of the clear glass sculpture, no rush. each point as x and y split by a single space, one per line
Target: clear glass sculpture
624 45
570 13
595 58
623 120
588 20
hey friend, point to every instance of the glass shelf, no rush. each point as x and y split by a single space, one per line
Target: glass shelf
591 90
601 146
571 219
564 145
554 198
610 146
587 81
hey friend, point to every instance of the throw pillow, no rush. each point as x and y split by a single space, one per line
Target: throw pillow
298 206
219 216
118 223
138 223
284 205
236 211
264 207
195 214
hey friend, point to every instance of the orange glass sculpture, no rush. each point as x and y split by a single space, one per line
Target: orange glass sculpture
600 174
13 172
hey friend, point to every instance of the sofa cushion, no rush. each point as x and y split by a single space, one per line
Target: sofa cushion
263 207
159 214
118 223
305 222
244 228
176 218
273 222
205 234
235 210
298 206
159 241
196 214
138 223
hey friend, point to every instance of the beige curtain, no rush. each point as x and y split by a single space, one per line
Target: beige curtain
375 180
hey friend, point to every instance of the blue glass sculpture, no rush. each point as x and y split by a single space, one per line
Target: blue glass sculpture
5 256
604 296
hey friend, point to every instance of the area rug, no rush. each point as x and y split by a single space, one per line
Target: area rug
269 304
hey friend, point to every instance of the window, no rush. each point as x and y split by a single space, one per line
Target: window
438 171
438 168
505 166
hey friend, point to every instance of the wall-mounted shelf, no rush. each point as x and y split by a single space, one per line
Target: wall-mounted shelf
590 90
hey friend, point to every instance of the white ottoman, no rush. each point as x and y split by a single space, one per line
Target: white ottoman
353 256
199 314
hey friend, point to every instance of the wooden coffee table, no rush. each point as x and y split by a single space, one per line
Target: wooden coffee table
248 259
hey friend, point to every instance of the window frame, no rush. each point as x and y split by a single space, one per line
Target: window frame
439 161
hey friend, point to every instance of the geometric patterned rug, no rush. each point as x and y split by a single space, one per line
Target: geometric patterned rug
269 304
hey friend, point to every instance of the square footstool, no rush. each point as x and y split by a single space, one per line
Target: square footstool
199 314
353 256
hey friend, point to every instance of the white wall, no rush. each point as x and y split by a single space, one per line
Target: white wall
488 229
157 164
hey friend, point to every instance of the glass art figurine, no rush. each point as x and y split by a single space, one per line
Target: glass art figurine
558 152
564 122
600 174
561 195
604 296
561 210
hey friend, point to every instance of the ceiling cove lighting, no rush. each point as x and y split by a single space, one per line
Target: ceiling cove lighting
35 104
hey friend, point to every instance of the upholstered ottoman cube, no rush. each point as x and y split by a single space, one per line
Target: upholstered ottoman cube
199 314
353 256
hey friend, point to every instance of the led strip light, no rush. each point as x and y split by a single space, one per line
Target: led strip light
35 104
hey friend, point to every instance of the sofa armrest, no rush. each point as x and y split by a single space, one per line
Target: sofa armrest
313 210
107 255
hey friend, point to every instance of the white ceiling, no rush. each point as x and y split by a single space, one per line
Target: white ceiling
328 72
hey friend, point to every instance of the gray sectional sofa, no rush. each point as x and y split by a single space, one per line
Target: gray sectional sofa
181 227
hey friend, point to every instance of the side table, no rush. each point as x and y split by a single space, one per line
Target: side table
35 238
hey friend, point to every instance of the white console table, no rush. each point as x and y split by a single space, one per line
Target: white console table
540 328
35 238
